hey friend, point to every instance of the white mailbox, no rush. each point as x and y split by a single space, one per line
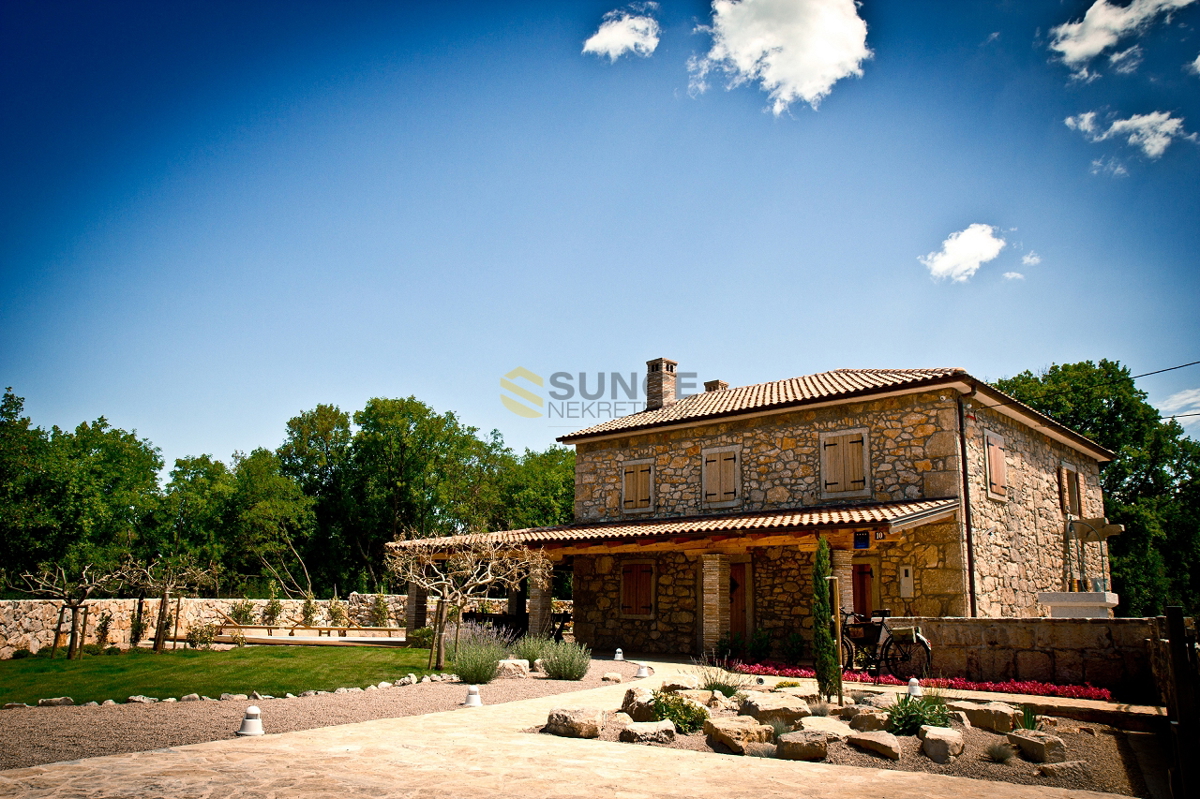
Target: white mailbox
906 582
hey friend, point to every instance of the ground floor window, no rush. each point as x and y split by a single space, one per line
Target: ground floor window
637 589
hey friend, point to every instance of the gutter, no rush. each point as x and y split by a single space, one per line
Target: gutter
966 504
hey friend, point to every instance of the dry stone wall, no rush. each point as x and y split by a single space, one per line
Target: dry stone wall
912 444
1110 653
1019 541
29 623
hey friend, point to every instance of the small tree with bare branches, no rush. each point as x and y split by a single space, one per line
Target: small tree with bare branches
73 589
164 577
460 569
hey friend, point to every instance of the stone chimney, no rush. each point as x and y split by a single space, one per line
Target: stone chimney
715 385
660 383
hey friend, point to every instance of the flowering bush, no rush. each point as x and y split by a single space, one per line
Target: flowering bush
1029 687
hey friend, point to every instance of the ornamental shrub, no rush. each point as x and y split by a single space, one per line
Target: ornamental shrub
824 644
477 661
794 648
380 612
308 612
21 654
686 716
759 646
566 660
530 647
713 676
242 612
337 613
273 608
201 636
103 629
909 713
422 637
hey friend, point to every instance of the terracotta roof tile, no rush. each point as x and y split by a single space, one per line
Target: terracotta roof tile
764 396
880 513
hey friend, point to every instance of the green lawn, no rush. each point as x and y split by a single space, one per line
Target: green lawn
272 670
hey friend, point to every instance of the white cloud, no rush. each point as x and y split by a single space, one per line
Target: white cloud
963 253
796 49
1126 61
993 36
626 31
1151 132
1031 258
1013 276
1194 66
1186 401
1102 27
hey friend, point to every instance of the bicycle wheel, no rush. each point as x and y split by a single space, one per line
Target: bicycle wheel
848 653
906 659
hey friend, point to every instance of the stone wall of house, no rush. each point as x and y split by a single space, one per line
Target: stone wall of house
1111 653
912 443
597 601
934 552
1018 542
29 623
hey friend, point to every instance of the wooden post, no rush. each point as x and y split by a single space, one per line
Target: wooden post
83 633
62 612
1185 734
178 607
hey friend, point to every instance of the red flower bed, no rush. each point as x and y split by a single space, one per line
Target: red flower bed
1030 687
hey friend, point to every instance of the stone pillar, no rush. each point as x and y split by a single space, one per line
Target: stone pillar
540 605
415 607
714 599
843 569
516 602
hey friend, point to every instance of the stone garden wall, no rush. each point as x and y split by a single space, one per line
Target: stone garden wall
1110 653
29 623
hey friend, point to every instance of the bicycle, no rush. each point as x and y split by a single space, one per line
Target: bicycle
904 652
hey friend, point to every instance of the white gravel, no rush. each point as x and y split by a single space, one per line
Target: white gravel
32 736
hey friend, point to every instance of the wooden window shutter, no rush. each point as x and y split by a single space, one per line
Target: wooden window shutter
712 479
997 473
643 486
853 447
628 589
645 578
834 472
1063 501
629 489
729 475
1074 499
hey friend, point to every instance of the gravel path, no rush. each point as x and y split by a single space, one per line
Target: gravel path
33 736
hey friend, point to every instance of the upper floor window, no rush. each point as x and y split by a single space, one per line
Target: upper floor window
1072 501
997 469
721 476
637 485
845 464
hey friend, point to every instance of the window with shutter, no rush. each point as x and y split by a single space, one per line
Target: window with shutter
637 589
637 486
845 464
721 476
997 470
1072 502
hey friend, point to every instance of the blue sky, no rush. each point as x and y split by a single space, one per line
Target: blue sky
218 215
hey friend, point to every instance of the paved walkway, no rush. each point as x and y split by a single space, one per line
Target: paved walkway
476 753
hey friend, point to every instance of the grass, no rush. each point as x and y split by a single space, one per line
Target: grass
272 670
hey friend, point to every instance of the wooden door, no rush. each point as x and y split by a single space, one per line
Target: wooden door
864 579
737 599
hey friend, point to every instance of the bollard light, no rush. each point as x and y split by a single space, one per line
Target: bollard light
914 687
619 655
642 671
252 723
473 699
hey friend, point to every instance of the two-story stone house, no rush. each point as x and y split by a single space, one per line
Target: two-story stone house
940 496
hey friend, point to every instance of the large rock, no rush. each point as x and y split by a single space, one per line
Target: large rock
681 682
879 700
802 745
190 698
940 744
649 732
994 716
869 721
1039 746
512 668
832 728
881 742
1074 770
140 699
760 750
639 704
767 708
575 722
611 676
703 697
737 731
57 701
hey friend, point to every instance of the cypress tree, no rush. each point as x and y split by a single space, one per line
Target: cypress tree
829 678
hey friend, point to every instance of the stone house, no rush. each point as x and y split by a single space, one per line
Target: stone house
698 517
